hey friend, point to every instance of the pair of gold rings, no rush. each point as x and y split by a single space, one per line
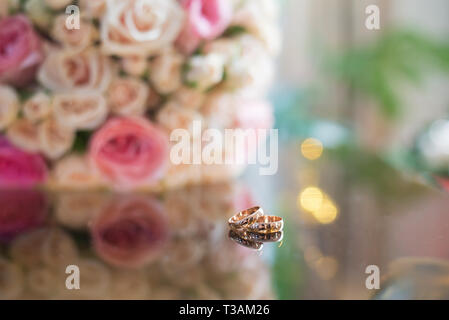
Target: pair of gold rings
251 228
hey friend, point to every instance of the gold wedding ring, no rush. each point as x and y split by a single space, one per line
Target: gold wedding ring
245 218
251 228
266 224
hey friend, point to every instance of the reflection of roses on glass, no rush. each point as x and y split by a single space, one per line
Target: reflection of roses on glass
18 168
21 211
20 51
130 231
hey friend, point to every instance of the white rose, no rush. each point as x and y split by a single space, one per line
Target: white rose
205 71
228 47
253 70
9 106
140 27
434 145
268 9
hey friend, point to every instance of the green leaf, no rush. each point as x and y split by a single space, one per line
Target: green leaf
82 141
233 31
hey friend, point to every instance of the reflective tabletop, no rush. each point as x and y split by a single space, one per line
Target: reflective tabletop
342 229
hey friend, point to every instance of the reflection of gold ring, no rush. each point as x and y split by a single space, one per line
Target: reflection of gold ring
267 224
245 217
264 237
260 237
245 242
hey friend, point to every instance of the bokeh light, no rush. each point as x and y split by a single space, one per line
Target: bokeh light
327 213
312 149
311 199
314 201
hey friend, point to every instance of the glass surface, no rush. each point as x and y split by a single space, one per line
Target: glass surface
175 245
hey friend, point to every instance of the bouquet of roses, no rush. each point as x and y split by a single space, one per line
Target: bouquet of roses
91 90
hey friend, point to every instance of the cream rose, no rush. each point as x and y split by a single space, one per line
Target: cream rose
13 284
4 8
69 71
23 134
93 8
135 66
166 71
189 98
219 109
173 116
128 96
76 39
54 139
76 209
9 106
258 17
180 175
140 27
80 111
205 71
37 107
74 172
228 47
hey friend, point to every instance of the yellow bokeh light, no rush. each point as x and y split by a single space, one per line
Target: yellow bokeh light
311 199
327 213
312 148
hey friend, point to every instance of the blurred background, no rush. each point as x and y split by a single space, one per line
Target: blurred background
363 180
350 103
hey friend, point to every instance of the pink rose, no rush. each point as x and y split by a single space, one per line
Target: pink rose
19 168
21 211
129 152
206 19
130 231
20 51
